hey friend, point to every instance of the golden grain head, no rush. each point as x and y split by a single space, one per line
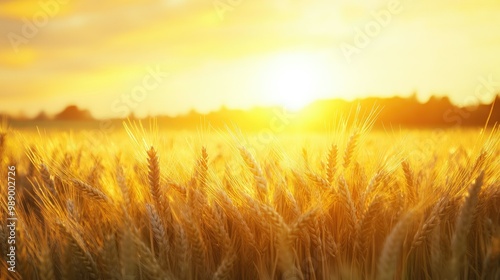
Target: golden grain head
362 206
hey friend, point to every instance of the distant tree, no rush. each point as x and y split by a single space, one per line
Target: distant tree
21 116
42 116
73 113
132 116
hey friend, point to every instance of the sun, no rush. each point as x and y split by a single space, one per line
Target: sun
294 80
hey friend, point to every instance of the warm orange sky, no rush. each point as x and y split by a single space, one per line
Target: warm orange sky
99 54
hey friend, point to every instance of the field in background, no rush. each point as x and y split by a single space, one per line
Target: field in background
350 204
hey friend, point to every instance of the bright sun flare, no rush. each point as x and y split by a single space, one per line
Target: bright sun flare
294 80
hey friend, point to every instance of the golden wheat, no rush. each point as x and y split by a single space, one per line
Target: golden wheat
294 210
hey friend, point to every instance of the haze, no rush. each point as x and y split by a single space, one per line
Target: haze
207 54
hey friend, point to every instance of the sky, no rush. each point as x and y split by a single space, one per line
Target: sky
172 56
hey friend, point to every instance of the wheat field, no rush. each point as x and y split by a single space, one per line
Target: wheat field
356 203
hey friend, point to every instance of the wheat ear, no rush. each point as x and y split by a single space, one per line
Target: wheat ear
47 180
318 180
391 251
109 256
159 232
122 184
79 249
223 272
46 267
154 174
425 231
463 226
200 250
331 164
302 222
410 180
254 167
345 193
351 146
148 261
491 266
90 191
202 168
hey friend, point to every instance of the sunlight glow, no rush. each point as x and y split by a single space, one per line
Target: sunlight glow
293 80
